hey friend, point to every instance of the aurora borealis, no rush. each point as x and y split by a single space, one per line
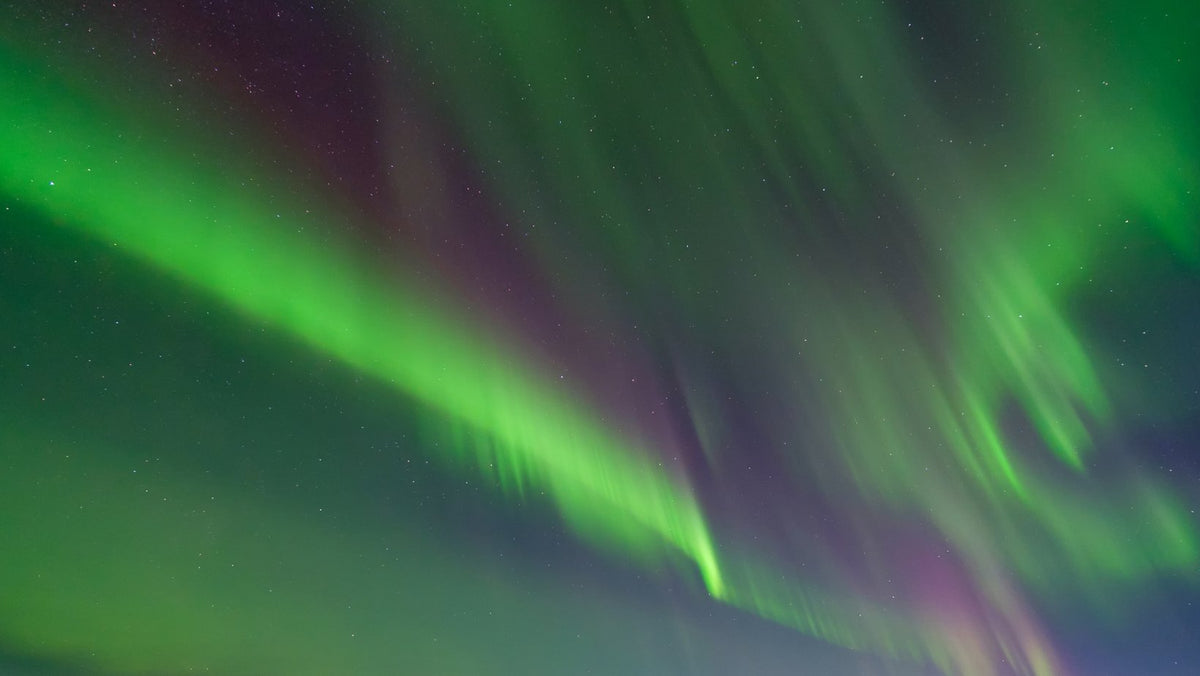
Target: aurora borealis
683 337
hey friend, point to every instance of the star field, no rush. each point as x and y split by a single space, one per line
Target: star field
687 337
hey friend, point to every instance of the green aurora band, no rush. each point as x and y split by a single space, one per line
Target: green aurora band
320 295
525 434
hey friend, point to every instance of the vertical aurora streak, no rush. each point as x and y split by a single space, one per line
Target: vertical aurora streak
809 317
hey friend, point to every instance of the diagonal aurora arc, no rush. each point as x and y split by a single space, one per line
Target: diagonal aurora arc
206 215
95 175
317 294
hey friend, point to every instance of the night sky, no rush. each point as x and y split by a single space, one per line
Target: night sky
640 337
